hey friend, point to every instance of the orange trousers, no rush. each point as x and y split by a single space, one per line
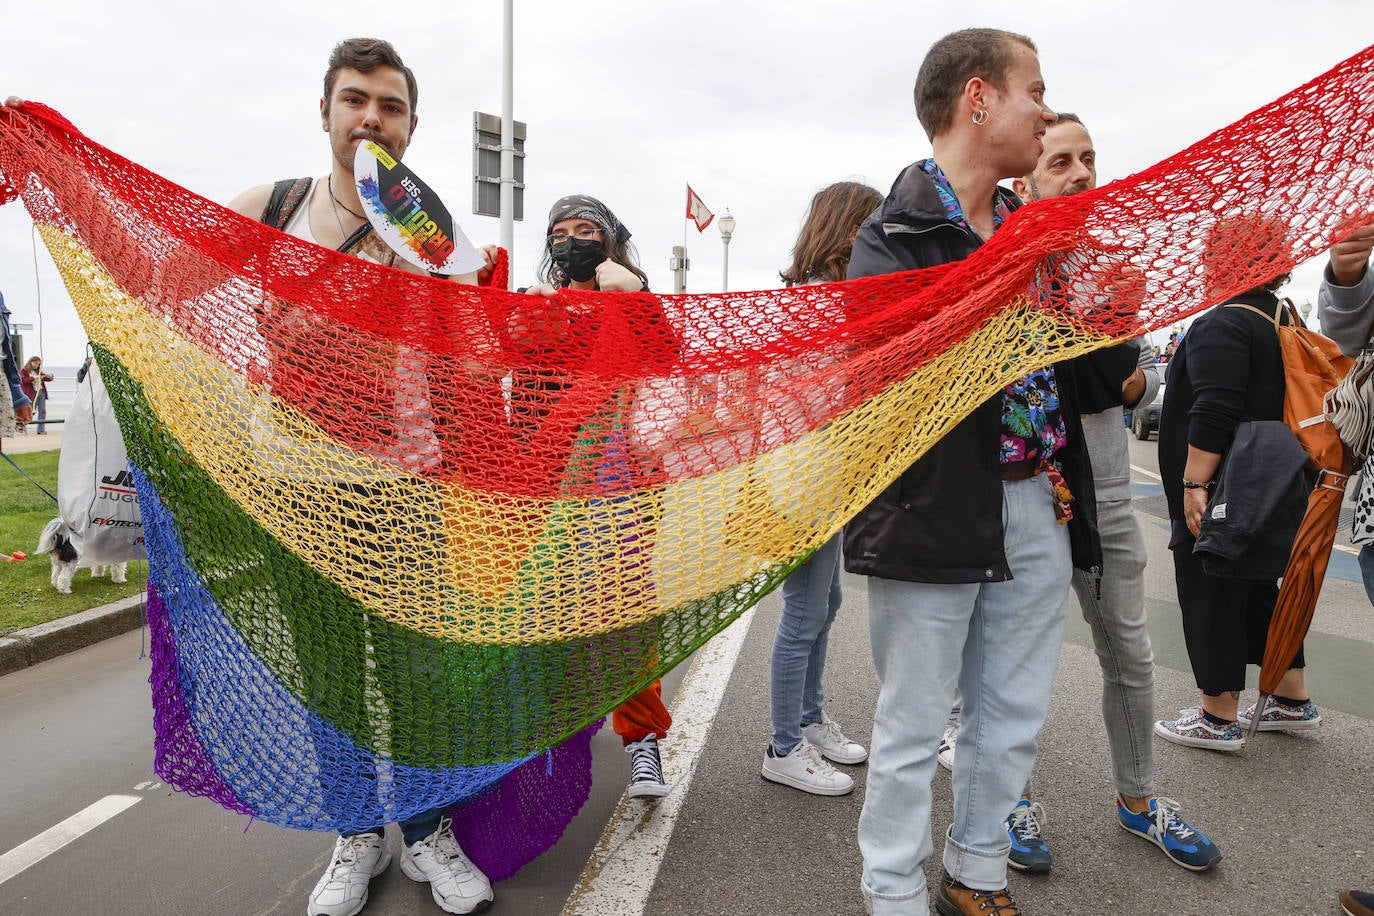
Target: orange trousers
642 715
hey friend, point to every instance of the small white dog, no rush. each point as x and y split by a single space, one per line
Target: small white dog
56 542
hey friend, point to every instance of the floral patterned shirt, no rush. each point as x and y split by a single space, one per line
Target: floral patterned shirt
1032 425
1032 422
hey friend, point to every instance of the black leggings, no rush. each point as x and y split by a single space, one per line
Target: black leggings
1225 622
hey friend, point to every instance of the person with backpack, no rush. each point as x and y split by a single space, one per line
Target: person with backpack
369 94
1228 370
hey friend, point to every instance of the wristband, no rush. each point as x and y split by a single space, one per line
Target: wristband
1194 485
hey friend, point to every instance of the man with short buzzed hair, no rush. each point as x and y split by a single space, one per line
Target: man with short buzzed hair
1113 602
967 560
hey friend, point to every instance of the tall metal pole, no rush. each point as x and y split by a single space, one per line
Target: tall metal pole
725 276
508 133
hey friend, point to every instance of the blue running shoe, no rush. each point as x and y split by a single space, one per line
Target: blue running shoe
1025 826
1180 840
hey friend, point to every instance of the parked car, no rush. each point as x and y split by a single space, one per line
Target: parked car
1145 420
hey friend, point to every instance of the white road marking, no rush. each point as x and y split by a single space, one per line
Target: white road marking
621 870
1147 473
54 838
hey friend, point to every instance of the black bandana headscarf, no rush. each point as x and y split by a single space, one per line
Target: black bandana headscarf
581 206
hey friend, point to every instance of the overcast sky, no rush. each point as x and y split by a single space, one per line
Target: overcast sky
758 103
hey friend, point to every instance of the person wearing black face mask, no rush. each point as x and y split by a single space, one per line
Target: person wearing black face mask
586 247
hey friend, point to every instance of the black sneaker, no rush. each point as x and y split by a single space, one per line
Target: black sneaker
646 769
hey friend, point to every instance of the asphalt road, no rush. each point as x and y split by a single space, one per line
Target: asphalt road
1294 816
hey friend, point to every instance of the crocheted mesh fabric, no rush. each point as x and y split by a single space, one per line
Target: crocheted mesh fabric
406 534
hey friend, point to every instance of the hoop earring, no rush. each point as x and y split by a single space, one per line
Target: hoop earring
980 117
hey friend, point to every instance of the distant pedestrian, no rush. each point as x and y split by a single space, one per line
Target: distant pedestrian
35 384
804 736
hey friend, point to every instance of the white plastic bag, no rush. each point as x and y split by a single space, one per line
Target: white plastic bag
95 489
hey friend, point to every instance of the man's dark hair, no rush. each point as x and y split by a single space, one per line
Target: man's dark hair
366 55
1068 117
954 60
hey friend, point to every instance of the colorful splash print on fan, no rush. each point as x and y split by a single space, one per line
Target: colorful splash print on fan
409 216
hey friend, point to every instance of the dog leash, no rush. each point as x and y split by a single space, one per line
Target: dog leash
26 476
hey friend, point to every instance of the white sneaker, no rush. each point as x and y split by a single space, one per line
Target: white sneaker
946 753
826 737
342 889
804 768
458 886
646 769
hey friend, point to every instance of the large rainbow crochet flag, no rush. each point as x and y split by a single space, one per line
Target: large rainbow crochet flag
406 535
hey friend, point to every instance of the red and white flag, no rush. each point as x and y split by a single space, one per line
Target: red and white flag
697 211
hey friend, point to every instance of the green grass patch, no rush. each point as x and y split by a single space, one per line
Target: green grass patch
26 596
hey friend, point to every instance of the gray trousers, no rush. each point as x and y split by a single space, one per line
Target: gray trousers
1116 617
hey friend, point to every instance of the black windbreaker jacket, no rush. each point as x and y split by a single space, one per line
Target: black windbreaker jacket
941 520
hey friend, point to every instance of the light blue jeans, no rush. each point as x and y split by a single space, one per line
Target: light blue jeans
998 644
1114 608
810 598
1113 605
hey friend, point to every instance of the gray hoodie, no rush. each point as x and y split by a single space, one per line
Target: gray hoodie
1346 313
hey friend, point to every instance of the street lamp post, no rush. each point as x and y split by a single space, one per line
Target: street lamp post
727 229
